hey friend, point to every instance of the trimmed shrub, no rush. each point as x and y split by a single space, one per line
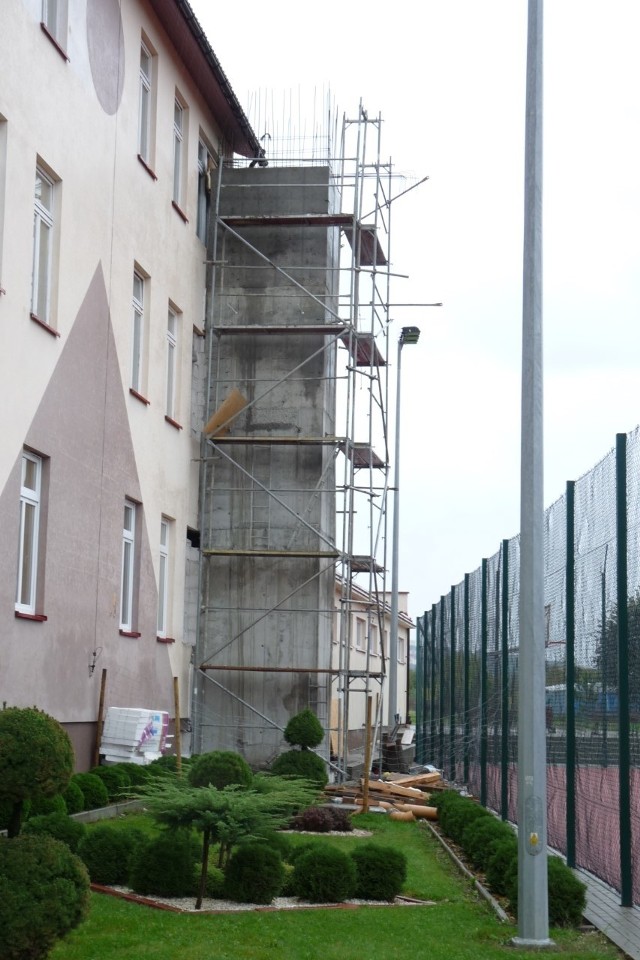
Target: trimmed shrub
324 875
255 874
277 841
479 839
106 850
456 815
301 763
503 865
313 820
74 798
41 806
57 825
220 768
115 780
304 730
381 871
567 894
166 865
44 893
214 885
138 773
298 849
93 790
340 819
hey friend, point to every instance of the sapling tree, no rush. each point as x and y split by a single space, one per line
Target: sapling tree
36 759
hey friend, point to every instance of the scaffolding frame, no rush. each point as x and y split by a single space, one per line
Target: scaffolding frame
355 318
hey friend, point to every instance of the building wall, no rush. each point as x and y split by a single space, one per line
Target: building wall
64 388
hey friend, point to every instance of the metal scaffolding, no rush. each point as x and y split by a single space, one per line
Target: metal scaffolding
294 459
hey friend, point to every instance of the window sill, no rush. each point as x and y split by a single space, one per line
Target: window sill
47 33
166 639
144 163
38 617
199 332
130 633
179 211
45 326
138 396
173 423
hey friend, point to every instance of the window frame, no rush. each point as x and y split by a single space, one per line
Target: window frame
179 148
171 386
137 332
29 497
361 634
128 567
147 87
55 23
163 578
207 161
44 218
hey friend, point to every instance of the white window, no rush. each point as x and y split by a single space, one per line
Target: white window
373 640
172 355
178 150
30 494
137 332
144 114
43 225
163 578
206 163
54 18
361 628
401 649
128 565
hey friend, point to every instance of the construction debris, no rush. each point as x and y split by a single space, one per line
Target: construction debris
402 796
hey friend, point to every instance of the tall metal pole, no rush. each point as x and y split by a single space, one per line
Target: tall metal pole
533 908
408 335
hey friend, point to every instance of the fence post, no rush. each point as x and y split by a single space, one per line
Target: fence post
626 881
483 687
570 606
433 683
442 685
452 686
465 707
504 759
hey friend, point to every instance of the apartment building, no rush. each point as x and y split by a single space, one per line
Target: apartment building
113 119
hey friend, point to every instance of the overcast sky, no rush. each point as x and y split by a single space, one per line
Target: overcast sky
448 78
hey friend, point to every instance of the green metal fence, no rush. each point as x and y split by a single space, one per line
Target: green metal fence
467 674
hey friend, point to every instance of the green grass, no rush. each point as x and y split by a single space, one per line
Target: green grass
458 926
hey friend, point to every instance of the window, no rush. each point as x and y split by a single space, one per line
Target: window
163 578
373 640
137 343
179 129
30 499
128 566
360 634
146 103
43 237
206 163
172 367
401 649
54 21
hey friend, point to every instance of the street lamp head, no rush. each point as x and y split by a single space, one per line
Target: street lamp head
409 335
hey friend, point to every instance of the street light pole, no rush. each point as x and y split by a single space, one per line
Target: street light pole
408 335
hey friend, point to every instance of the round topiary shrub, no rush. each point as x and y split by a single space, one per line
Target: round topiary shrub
301 763
106 850
41 806
115 780
44 893
57 825
220 769
93 790
503 865
567 895
324 875
313 820
458 814
381 871
166 865
73 797
138 773
480 837
304 730
255 874
36 756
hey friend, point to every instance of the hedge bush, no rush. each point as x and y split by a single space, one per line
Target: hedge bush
255 874
220 768
324 875
106 850
115 780
381 871
138 773
41 806
313 820
165 865
567 894
301 763
74 798
93 790
502 865
304 730
58 825
44 893
455 815
479 838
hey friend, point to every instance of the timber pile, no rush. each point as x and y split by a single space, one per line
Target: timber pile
405 797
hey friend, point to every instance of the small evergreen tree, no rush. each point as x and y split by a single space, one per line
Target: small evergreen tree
304 730
36 759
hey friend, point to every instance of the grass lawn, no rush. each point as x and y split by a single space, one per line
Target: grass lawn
458 926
